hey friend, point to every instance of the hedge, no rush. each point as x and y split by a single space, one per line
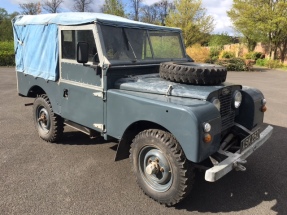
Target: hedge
233 64
7 56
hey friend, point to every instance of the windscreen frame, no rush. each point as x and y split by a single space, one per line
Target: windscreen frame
105 36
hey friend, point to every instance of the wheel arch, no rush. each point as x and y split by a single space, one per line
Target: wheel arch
35 90
130 133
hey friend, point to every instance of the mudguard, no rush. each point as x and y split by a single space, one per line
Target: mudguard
183 117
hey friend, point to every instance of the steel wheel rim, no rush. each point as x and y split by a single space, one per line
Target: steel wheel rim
160 181
44 126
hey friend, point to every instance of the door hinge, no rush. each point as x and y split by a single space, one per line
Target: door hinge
99 126
99 94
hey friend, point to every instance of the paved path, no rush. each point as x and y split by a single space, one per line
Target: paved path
79 176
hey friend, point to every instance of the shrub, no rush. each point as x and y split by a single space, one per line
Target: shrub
271 64
214 53
7 59
254 55
7 46
233 64
226 54
259 55
261 62
214 59
198 53
7 56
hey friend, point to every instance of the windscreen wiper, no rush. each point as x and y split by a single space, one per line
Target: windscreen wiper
128 44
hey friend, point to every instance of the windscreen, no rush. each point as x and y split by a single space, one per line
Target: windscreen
126 44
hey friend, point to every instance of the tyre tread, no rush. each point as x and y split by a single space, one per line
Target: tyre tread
56 121
185 170
193 73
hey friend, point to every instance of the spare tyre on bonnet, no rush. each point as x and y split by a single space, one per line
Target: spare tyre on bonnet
193 73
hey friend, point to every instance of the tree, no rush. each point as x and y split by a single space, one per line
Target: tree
12 15
114 7
52 6
83 5
30 8
156 13
267 24
242 17
191 17
6 32
164 8
283 49
149 14
220 40
3 14
136 5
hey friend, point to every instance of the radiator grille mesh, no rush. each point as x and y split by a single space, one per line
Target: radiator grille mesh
226 112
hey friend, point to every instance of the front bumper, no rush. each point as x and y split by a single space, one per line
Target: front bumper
224 167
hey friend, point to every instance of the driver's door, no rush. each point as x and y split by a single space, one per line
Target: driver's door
81 85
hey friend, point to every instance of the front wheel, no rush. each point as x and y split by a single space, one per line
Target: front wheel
160 166
49 125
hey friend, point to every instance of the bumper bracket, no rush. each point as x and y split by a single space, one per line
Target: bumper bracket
235 160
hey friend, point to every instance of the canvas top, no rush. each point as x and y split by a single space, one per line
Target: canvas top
78 18
36 38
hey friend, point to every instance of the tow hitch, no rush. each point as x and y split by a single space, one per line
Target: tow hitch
238 165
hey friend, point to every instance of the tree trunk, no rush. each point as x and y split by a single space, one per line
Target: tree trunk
283 50
251 44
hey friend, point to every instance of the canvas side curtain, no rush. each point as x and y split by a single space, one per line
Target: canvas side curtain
36 50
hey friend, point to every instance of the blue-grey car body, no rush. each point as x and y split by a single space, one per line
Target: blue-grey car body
117 95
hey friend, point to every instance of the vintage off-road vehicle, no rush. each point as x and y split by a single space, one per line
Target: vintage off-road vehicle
131 81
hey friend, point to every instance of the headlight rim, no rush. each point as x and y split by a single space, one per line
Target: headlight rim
234 101
206 127
216 105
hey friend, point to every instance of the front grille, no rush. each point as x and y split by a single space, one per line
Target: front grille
226 112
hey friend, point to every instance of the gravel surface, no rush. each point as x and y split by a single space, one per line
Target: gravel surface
79 175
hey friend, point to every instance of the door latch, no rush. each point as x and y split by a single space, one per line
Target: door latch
65 94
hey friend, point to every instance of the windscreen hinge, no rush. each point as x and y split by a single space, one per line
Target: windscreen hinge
168 92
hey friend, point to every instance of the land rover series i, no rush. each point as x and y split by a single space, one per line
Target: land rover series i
131 81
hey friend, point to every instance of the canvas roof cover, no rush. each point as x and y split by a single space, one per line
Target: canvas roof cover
36 38
78 18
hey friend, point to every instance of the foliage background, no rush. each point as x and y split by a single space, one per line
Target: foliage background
7 56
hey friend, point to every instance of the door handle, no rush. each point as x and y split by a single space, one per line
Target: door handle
65 93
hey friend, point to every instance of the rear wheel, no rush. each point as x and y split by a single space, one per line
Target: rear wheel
160 166
49 125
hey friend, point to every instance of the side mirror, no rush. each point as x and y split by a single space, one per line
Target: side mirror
82 52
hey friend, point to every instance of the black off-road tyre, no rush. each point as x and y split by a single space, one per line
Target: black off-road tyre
49 125
193 73
177 175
